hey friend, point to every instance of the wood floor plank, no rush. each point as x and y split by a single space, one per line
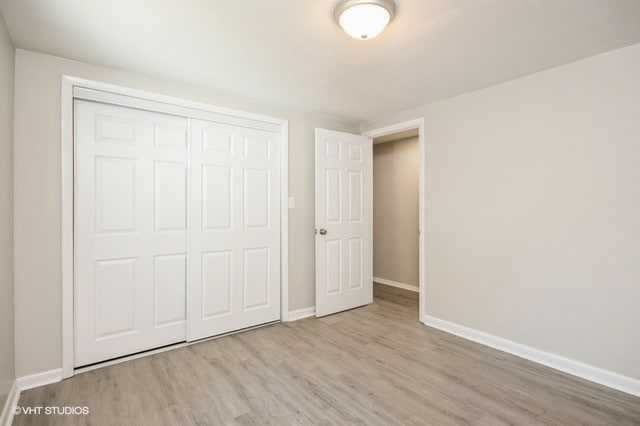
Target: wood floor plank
372 365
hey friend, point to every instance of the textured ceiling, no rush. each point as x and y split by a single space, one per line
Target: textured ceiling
290 53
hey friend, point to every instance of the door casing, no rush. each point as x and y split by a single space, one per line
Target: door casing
71 87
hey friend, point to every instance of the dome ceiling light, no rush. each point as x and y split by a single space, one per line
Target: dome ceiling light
364 19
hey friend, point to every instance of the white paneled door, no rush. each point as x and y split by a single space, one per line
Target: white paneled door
130 230
177 229
344 197
234 242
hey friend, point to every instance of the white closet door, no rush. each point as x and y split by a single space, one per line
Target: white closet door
130 230
234 240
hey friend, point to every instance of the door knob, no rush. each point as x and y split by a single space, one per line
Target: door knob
323 231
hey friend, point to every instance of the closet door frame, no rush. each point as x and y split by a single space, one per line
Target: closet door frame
79 88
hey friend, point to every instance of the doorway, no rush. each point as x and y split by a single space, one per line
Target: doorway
398 235
395 219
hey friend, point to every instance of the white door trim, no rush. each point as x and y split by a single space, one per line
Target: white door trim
417 123
144 98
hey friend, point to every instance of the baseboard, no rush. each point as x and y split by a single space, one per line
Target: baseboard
24 383
6 418
396 284
39 379
301 313
575 368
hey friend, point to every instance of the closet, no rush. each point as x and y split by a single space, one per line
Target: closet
176 225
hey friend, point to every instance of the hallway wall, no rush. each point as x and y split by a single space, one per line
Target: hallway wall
395 211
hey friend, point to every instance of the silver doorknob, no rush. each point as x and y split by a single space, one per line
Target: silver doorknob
323 231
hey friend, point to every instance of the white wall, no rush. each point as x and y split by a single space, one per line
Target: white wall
37 195
7 370
533 210
395 211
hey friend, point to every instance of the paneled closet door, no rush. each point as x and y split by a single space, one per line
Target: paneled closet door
130 230
234 239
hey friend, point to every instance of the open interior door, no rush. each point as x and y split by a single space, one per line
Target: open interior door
344 225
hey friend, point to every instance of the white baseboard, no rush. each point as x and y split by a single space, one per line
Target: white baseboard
39 379
575 368
24 383
301 313
396 284
6 418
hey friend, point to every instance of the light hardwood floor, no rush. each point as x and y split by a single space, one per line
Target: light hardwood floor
373 365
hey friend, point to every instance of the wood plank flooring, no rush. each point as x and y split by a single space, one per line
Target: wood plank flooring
372 365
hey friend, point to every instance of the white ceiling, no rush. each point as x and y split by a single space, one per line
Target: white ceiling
290 53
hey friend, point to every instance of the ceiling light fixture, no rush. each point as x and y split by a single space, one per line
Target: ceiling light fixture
364 19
